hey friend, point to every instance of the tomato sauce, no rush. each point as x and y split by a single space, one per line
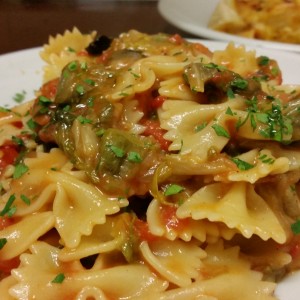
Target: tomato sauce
168 215
8 155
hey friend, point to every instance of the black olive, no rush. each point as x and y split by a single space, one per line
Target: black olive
100 44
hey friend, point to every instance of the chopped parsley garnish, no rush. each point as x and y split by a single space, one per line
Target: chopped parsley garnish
230 93
31 124
20 169
134 157
173 189
8 209
215 66
18 141
239 83
135 75
229 111
275 71
72 66
59 278
117 151
84 120
296 227
266 159
80 89
3 241
67 108
221 131
19 97
277 124
25 199
200 126
90 101
44 100
90 82
241 164
70 49
263 60
83 65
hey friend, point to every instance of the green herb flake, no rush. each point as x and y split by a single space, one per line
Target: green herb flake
239 83
3 241
19 97
230 93
266 160
25 199
44 100
83 66
296 227
200 126
84 120
262 118
8 206
90 81
20 169
135 75
18 141
221 131
90 101
241 164
263 60
72 66
31 124
117 151
80 89
134 157
70 49
173 189
275 71
123 94
277 124
59 278
215 66
67 108
253 121
229 111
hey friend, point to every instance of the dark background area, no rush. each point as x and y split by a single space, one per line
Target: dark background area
28 23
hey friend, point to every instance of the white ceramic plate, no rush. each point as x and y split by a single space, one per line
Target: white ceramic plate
192 16
22 71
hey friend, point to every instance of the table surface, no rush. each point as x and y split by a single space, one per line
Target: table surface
28 23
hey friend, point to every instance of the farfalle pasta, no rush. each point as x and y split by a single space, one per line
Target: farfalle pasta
149 167
276 20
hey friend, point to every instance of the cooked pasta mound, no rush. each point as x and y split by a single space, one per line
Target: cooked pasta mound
273 20
149 167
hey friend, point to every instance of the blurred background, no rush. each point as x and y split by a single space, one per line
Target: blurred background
28 23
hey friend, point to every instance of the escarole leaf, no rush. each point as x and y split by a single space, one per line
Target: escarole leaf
196 75
162 172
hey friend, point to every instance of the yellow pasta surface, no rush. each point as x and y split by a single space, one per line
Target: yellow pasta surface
149 167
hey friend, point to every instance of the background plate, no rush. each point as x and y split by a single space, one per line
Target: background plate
192 16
